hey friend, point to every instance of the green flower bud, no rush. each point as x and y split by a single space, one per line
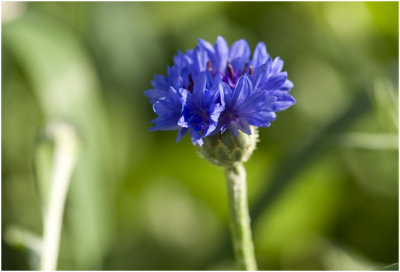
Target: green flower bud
226 149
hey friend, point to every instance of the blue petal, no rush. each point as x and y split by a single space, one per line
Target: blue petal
244 126
160 82
188 116
210 129
211 96
242 90
168 110
175 77
164 107
182 122
181 133
262 118
200 59
187 100
257 101
239 54
215 111
199 86
277 65
206 45
260 55
161 85
208 48
241 124
234 128
287 85
284 101
181 60
155 94
267 76
196 137
164 124
275 82
281 105
221 54
226 95
259 77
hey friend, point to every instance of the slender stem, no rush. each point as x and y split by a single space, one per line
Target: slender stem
240 219
64 162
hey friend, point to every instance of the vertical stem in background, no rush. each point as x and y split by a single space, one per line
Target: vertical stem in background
240 219
65 155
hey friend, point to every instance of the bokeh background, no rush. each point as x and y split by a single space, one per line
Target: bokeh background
323 183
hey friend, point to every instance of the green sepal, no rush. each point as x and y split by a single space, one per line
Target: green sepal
226 149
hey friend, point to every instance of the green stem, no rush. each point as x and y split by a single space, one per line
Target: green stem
240 219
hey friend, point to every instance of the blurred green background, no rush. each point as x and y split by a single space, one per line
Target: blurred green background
323 183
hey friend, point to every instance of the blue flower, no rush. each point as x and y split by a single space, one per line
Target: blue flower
244 106
213 88
201 110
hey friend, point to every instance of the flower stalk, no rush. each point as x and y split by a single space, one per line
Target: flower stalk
231 152
239 217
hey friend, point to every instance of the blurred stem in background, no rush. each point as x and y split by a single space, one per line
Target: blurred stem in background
21 237
240 219
66 86
53 178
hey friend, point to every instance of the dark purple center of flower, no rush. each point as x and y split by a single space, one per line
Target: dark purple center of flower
230 76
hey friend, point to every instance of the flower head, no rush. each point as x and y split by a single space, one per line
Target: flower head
211 89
